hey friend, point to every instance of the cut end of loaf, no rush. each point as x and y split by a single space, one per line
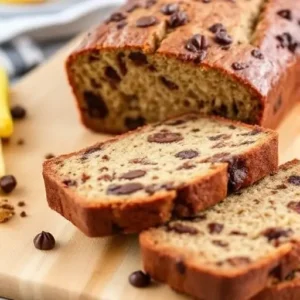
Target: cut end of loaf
129 89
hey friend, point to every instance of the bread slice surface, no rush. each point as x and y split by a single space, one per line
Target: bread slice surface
143 178
231 250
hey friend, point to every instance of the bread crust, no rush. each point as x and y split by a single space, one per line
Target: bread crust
273 80
201 282
114 217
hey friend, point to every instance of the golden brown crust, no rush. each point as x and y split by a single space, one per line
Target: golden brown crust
274 80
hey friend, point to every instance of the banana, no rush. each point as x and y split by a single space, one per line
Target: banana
6 123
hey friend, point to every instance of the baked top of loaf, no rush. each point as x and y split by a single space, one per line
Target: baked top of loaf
154 59
253 229
159 161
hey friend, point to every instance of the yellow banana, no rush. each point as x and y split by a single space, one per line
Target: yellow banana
2 165
6 123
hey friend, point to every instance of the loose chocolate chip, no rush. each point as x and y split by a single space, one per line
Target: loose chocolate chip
116 17
217 27
182 229
146 21
133 174
138 58
257 54
139 279
44 241
169 84
112 74
125 189
295 179
23 214
8 183
215 228
219 136
49 156
238 66
69 182
180 266
133 123
285 13
294 205
178 19
18 112
96 106
169 9
21 204
238 261
165 137
197 43
187 154
275 233
223 38
220 243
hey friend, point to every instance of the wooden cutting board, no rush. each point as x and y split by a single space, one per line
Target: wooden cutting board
79 267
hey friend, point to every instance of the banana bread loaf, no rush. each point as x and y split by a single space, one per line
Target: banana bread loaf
142 178
230 251
154 59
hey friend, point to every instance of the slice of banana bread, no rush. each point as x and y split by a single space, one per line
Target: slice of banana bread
286 289
156 59
230 251
142 178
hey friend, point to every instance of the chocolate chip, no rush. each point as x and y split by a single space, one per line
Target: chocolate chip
139 279
237 232
281 186
105 177
180 266
285 13
182 229
197 43
21 204
238 261
295 179
165 137
238 172
294 205
112 74
116 17
257 54
255 131
220 243
121 63
232 127
223 38
169 84
96 106
85 177
219 136
138 58
146 21
275 233
186 166
142 161
133 123
49 156
44 241
18 112
217 27
132 7
20 142
8 183
187 154
125 189
152 188
133 174
121 24
215 228
93 149
69 182
238 66
286 41
169 9
105 157
178 19
23 214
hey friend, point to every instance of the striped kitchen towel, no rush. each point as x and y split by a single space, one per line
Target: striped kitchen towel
22 54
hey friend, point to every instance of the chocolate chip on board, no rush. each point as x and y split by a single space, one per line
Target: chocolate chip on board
139 279
18 112
44 241
125 189
8 183
165 137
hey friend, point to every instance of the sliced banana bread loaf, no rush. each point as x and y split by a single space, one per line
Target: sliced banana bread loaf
142 178
286 289
230 251
154 59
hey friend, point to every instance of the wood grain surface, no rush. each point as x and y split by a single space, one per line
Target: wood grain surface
79 267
